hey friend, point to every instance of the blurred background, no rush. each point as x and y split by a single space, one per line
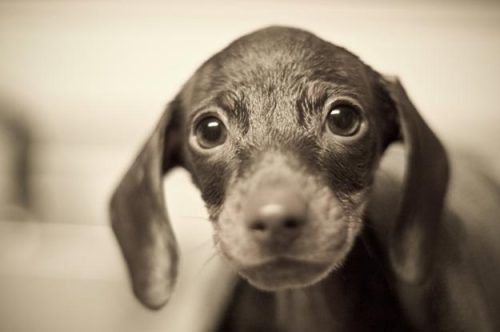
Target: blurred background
82 83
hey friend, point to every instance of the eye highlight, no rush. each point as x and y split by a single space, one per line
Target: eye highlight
343 120
210 132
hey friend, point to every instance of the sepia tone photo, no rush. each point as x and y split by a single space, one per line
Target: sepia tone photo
240 166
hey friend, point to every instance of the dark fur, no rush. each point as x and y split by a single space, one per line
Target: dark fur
271 88
269 75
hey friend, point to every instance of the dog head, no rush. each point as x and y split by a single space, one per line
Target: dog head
282 132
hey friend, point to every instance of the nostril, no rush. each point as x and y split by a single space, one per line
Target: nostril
275 215
291 223
258 226
275 224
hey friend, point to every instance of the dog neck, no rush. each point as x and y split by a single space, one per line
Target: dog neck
313 308
355 297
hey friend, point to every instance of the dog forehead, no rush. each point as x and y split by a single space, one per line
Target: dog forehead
275 57
284 54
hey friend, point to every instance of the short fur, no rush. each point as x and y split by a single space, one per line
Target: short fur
357 255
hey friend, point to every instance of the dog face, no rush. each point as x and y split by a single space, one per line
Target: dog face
293 136
282 132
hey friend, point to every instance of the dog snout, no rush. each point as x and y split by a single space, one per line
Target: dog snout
275 216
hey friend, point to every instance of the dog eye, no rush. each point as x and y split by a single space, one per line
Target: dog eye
343 120
210 132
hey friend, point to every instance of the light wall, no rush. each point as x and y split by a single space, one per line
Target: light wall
93 77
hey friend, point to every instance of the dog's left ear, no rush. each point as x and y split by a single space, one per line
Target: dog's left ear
139 217
415 231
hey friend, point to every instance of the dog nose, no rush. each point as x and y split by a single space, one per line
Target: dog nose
275 216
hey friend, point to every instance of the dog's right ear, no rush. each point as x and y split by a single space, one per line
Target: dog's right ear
139 217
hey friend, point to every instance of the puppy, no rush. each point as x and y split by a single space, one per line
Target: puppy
283 134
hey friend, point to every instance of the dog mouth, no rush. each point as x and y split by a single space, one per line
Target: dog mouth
284 273
297 265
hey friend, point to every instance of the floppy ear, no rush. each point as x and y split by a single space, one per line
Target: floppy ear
412 239
139 217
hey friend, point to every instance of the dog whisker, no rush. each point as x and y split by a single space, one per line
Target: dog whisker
196 218
208 261
203 245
